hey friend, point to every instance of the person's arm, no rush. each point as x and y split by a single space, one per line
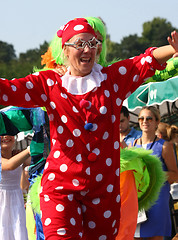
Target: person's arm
164 53
169 158
15 161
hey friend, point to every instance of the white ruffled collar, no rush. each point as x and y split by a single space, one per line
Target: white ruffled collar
81 85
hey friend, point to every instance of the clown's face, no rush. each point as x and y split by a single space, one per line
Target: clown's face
80 60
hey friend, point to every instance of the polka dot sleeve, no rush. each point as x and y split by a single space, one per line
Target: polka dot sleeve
31 91
129 74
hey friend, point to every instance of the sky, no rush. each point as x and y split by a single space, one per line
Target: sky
27 24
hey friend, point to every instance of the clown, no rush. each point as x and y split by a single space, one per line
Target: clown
81 176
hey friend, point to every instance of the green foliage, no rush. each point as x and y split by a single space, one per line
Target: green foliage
22 66
7 52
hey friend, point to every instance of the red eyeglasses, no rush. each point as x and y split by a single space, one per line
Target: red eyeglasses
147 119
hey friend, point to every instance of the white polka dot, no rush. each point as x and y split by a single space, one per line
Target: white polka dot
142 60
103 110
14 88
110 188
60 129
75 182
148 59
56 154
75 109
94 128
46 198
46 165
70 197
118 198
51 117
92 224
116 88
117 172
63 168
96 201
79 210
102 237
122 70
96 151
53 141
78 27
47 221
84 208
88 146
51 177
53 105
79 158
116 145
50 82
64 119
83 193
76 132
115 232
107 214
5 97
72 221
128 94
88 171
114 223
36 74
108 162
89 105
136 78
59 188
44 97
113 118
60 208
29 85
118 101
61 231
106 93
106 135
69 143
99 177
27 97
64 95
80 234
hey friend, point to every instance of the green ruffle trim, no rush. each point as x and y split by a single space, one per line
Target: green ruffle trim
148 172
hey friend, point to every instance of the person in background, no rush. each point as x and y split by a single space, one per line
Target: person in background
172 132
80 47
12 211
157 223
127 134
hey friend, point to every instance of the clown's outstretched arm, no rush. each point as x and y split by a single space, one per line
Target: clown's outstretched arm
164 53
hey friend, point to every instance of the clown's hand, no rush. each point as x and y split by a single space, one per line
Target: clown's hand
173 40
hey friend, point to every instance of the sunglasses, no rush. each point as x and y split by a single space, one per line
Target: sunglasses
147 119
81 44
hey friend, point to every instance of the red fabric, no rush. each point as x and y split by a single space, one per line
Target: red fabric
129 206
70 182
73 27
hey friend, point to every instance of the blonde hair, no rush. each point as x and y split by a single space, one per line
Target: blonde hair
154 111
172 131
163 130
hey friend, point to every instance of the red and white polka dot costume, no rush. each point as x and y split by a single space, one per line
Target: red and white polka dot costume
80 195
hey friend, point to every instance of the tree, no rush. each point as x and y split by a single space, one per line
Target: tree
155 32
7 52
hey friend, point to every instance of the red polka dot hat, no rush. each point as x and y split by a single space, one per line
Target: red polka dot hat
73 27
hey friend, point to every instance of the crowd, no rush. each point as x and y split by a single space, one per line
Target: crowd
83 195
